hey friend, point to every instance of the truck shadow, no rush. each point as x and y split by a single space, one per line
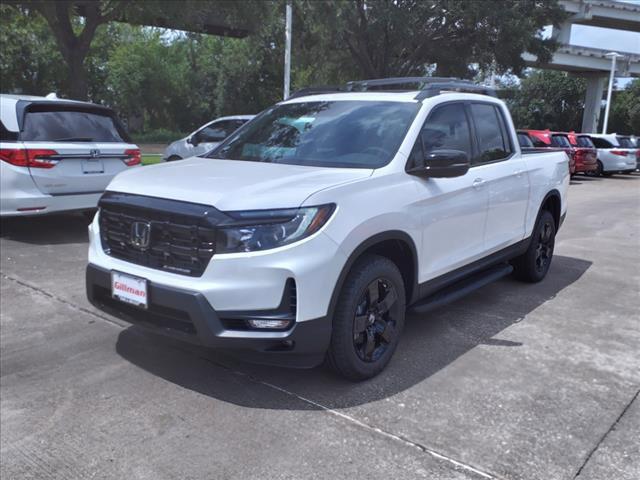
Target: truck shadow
429 344
47 229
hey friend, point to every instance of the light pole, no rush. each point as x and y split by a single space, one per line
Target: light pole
614 56
287 51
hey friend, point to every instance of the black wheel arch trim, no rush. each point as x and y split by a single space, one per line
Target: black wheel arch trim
560 218
372 241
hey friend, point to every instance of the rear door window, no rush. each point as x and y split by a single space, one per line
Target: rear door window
493 141
71 126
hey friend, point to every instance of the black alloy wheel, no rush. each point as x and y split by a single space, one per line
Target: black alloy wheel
374 325
544 248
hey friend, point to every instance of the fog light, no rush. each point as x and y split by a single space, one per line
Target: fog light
279 324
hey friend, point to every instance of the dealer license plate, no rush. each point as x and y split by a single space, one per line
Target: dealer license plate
129 289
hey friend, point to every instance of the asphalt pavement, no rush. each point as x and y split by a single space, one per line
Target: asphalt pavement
515 381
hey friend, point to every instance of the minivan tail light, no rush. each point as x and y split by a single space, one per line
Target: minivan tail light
29 157
133 157
622 153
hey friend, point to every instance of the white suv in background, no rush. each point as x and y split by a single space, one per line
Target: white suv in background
58 155
310 230
616 153
205 139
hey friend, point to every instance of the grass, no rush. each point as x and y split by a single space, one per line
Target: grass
151 158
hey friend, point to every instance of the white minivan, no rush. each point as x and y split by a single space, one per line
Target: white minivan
58 155
616 153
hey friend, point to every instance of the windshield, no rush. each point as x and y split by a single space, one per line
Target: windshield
352 134
70 126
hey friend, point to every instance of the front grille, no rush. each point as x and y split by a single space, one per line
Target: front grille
181 235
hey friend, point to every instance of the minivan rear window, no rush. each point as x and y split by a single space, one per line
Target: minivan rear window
601 142
560 141
625 142
71 126
585 142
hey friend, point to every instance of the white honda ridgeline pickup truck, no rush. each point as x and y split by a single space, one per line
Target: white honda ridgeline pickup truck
309 232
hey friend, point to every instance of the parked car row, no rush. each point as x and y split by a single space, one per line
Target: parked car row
59 155
592 154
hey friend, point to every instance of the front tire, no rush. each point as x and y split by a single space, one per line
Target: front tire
534 264
368 319
173 158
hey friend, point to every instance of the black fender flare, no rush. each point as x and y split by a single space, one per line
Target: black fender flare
398 235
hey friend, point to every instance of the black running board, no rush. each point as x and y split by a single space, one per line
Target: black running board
461 288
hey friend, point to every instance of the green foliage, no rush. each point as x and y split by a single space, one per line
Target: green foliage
160 135
624 116
549 99
163 82
381 38
151 159
29 59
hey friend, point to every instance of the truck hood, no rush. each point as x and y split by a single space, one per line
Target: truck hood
233 185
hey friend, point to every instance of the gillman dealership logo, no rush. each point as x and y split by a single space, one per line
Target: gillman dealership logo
141 235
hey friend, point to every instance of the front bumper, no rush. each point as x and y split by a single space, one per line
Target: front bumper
188 316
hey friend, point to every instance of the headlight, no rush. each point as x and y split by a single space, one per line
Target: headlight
264 229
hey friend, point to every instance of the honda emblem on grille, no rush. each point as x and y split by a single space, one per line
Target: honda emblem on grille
140 235
94 153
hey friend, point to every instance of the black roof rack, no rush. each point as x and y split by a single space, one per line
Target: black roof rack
428 86
319 90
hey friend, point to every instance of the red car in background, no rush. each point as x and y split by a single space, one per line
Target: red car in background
586 154
556 140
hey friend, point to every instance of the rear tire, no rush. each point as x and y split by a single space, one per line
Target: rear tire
599 170
368 319
595 173
534 264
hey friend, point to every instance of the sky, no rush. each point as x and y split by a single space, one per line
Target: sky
605 38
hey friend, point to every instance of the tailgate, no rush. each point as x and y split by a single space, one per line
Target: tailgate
78 168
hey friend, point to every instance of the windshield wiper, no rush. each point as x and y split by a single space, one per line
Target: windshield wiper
73 139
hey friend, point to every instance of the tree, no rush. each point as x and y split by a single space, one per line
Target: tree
549 99
29 59
74 23
74 38
624 116
386 38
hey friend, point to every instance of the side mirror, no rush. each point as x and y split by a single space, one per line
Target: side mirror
443 164
193 140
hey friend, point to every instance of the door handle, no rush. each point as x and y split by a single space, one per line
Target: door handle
478 182
518 173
